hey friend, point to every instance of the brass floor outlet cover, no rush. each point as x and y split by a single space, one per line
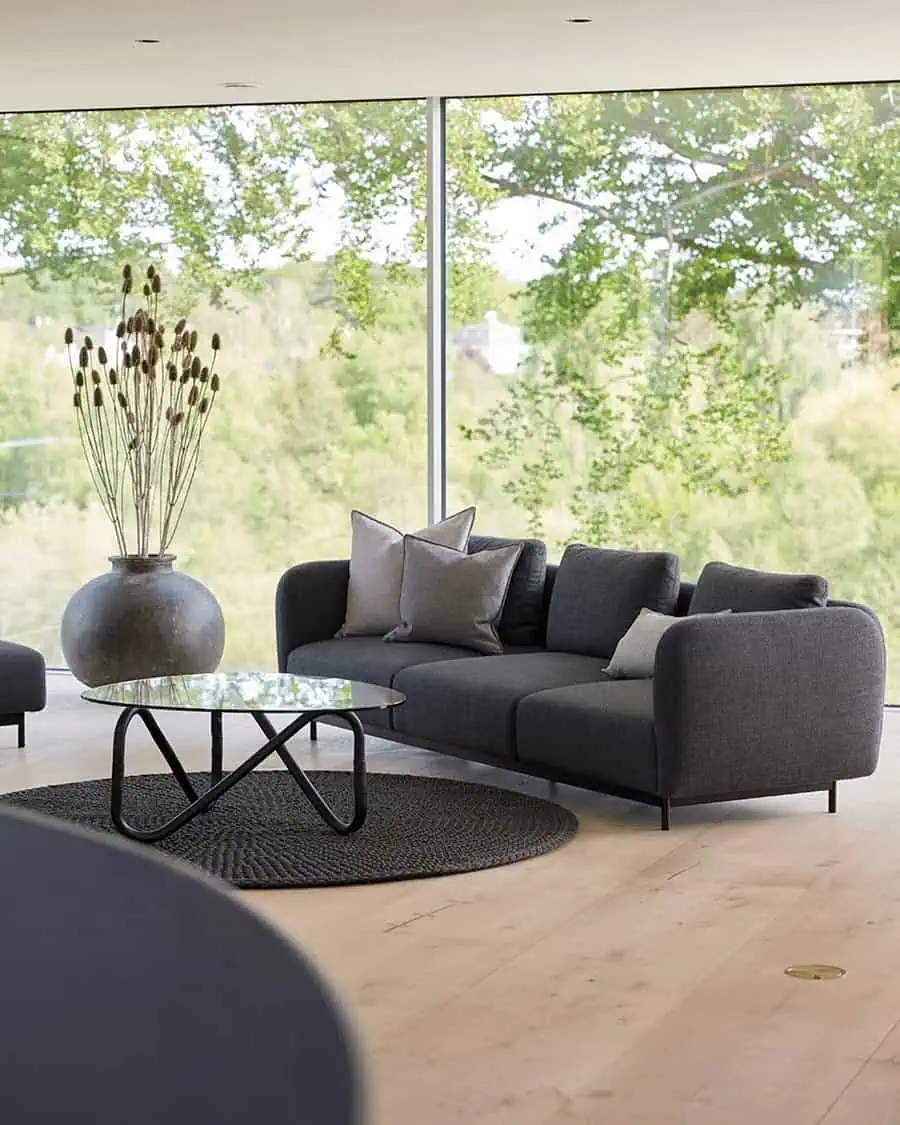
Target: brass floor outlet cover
815 972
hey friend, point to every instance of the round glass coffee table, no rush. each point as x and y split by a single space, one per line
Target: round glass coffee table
254 693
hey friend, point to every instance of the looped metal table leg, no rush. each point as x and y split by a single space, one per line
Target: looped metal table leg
221 784
315 798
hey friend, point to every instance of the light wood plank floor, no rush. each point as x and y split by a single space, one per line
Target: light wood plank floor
633 976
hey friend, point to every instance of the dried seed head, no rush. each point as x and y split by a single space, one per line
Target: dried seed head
89 343
122 400
126 286
193 396
216 342
95 378
145 367
185 377
79 378
135 355
204 405
194 338
158 338
98 397
101 355
151 272
83 358
214 383
76 400
173 372
113 377
185 339
153 355
126 273
156 284
204 375
121 329
129 325
146 289
126 361
139 321
70 337
196 367
169 413
179 327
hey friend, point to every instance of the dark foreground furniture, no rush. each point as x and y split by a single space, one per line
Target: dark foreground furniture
23 685
136 990
749 703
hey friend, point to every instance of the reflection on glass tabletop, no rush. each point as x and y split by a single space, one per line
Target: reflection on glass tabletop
246 691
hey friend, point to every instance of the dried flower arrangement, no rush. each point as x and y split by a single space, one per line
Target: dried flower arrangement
141 418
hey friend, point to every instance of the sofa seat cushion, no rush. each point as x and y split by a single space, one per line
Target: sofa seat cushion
471 704
23 682
600 732
369 659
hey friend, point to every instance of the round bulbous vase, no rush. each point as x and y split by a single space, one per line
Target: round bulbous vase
141 619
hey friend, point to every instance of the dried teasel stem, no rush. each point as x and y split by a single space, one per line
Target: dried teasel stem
142 423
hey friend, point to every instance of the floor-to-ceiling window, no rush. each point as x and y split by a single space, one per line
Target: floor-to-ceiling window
674 323
280 228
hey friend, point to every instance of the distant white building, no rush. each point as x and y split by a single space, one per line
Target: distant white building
496 346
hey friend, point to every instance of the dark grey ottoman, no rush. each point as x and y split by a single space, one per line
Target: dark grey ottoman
23 685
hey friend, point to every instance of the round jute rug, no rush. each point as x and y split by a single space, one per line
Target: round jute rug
264 834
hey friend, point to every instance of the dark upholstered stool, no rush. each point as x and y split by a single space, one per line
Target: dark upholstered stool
23 685
137 990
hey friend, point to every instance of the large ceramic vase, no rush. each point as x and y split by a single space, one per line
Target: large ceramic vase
141 619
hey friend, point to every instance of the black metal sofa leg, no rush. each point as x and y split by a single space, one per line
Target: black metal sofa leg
313 731
832 797
665 809
21 725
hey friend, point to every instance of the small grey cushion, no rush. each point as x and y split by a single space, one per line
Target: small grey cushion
376 569
598 593
452 598
635 653
722 586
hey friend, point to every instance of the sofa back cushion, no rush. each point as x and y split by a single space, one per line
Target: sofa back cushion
722 586
598 593
522 621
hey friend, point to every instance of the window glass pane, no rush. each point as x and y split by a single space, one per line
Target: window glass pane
675 319
277 227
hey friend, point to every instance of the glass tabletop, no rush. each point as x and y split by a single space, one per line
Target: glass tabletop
246 691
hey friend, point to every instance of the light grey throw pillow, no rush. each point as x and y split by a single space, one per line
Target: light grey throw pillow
453 598
635 653
376 569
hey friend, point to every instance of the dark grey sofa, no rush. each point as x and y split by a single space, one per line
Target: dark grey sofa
745 704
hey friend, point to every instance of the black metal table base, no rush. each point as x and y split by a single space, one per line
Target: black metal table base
221 782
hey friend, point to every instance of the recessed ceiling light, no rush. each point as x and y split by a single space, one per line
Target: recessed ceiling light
580 19
239 85
146 42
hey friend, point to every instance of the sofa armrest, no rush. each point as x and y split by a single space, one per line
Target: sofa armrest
310 604
758 702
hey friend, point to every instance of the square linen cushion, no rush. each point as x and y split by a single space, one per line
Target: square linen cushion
598 593
522 619
376 569
453 598
635 655
722 586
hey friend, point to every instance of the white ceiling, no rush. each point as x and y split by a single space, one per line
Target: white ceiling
80 53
